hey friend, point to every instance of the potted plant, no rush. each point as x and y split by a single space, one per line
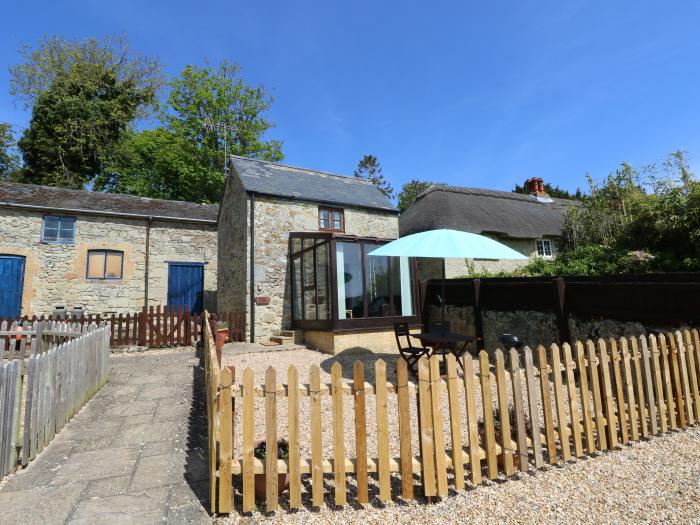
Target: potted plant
498 429
222 328
260 452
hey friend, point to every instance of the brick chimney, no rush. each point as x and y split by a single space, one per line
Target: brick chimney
535 187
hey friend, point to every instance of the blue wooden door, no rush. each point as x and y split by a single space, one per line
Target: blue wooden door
186 286
11 282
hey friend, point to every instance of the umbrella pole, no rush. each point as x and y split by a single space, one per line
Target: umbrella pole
443 290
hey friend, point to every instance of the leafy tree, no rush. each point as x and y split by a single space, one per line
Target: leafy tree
634 221
553 191
213 106
369 168
76 122
161 164
55 57
9 162
410 191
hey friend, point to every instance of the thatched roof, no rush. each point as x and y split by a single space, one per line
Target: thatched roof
485 211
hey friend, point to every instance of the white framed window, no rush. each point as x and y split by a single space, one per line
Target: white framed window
544 248
58 229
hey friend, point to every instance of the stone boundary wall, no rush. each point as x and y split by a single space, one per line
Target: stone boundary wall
535 327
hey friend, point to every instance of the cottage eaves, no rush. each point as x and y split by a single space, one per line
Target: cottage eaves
477 210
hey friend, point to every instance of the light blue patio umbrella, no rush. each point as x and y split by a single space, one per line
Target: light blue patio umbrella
447 244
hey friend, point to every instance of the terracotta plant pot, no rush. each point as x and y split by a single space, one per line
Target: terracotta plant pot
501 458
224 333
261 480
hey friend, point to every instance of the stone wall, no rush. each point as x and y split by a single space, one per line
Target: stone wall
55 274
233 290
381 341
536 328
605 328
275 218
533 327
461 267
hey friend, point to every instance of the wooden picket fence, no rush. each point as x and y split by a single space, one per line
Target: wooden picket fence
158 326
49 371
555 405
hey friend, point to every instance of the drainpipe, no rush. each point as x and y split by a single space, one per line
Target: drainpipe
252 267
148 256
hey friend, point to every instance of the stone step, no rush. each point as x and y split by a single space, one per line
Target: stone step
281 339
288 333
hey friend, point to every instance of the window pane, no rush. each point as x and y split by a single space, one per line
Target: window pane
96 265
323 276
66 229
323 219
349 278
114 266
51 222
309 282
50 234
548 248
296 245
337 221
377 276
296 299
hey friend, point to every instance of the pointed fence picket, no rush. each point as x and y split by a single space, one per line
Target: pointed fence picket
506 411
49 370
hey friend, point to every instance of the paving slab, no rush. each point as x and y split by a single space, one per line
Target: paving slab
40 505
134 454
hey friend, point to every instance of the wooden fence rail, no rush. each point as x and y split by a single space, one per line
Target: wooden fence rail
520 414
157 326
49 371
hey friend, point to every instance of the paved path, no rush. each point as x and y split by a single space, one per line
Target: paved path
134 454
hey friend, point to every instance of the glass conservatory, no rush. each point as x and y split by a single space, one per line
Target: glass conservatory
337 285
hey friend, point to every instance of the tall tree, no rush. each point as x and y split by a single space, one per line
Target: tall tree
214 108
410 191
76 122
369 168
210 111
55 56
161 164
9 162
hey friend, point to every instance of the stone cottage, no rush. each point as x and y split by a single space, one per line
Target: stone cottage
530 224
102 253
293 253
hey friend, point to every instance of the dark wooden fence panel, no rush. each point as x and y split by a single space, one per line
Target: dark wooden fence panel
652 299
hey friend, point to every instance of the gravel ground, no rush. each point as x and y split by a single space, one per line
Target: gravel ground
649 482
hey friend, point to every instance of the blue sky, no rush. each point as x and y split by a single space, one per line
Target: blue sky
481 94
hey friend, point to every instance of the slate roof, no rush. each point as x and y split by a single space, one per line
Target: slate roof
485 211
278 180
51 198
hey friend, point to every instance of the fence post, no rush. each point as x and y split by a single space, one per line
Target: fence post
142 327
225 441
561 310
478 321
